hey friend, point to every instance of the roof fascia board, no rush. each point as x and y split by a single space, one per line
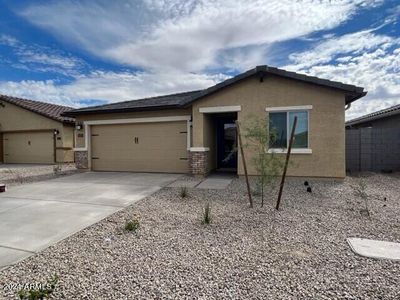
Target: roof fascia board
120 110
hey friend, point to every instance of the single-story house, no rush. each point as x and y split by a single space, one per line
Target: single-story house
192 132
35 132
373 141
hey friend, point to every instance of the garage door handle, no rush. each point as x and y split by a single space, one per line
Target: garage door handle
136 140
95 158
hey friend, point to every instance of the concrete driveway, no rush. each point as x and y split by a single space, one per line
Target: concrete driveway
37 215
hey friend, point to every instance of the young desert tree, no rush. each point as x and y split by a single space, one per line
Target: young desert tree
269 166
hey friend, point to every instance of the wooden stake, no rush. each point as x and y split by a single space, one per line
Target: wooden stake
244 164
286 164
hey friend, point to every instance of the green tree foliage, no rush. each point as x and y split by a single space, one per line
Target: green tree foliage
269 166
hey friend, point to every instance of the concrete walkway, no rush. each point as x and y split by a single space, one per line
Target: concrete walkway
215 181
375 249
35 216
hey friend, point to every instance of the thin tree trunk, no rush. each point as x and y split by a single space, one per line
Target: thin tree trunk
244 163
262 190
278 202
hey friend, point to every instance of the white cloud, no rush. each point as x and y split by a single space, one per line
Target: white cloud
186 35
354 43
8 40
65 62
41 59
362 58
179 43
109 86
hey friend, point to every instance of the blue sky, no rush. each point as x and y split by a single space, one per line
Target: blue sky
80 53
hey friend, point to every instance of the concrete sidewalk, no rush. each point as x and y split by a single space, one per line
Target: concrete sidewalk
35 216
215 181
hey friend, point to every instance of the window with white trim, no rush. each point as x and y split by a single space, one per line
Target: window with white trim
280 125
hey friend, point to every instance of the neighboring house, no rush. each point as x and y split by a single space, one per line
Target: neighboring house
34 132
373 141
192 132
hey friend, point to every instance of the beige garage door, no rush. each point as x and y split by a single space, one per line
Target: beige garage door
146 147
28 147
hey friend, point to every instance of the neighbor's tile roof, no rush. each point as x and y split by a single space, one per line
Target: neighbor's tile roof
380 114
180 100
48 110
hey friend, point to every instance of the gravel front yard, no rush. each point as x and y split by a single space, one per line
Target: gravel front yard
22 173
299 252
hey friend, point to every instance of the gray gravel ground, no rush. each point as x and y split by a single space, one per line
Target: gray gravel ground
13 174
299 252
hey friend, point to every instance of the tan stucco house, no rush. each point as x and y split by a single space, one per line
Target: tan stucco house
193 132
34 132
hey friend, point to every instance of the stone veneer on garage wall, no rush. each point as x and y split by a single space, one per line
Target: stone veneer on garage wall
198 162
81 160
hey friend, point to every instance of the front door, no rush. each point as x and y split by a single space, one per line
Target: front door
226 144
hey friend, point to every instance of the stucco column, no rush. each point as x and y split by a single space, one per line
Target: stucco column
199 153
197 128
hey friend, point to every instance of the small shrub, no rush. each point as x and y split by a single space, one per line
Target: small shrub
132 225
256 191
43 291
206 214
360 190
183 192
56 169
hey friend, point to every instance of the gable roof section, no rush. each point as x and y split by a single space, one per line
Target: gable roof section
48 110
182 100
380 114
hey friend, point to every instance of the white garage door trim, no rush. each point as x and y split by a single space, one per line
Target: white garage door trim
87 125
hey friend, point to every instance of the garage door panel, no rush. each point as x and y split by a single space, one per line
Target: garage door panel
28 147
160 147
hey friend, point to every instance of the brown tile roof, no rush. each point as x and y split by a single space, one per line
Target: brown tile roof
48 110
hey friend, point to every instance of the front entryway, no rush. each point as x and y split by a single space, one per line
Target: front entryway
226 142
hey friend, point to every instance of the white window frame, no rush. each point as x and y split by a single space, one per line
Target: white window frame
287 110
